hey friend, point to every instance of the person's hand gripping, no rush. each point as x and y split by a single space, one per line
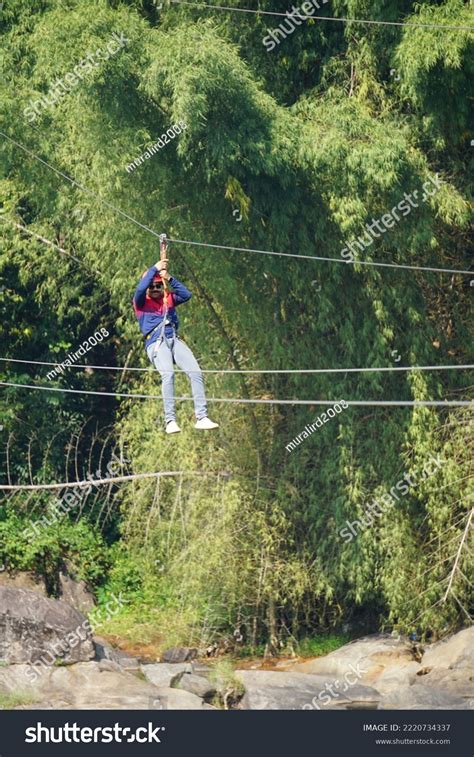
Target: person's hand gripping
161 266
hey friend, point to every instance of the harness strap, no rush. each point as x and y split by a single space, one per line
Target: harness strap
150 333
162 327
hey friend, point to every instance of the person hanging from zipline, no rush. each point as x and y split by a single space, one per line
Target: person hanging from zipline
155 307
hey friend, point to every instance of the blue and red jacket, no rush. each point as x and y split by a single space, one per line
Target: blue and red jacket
150 314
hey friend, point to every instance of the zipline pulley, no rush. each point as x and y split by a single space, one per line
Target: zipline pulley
164 256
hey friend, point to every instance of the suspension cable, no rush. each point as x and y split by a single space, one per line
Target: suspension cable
344 20
229 247
259 371
238 400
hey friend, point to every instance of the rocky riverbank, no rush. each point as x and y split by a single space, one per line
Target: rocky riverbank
46 663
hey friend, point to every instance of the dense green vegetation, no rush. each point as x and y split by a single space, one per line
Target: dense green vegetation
308 143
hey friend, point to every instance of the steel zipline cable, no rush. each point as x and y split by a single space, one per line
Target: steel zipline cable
231 248
376 264
257 401
343 20
283 371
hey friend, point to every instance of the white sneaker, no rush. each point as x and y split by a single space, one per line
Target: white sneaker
205 424
172 427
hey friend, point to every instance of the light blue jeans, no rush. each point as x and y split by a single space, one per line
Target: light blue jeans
164 353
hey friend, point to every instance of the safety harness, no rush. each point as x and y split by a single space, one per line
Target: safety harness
162 326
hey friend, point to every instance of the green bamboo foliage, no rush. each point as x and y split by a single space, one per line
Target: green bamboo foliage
292 151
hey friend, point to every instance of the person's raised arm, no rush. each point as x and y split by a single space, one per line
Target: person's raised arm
180 292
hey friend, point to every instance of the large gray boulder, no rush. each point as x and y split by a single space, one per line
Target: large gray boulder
197 685
104 652
86 686
421 697
176 699
274 690
76 593
459 682
24 579
443 678
373 655
79 687
164 673
455 652
394 677
38 630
